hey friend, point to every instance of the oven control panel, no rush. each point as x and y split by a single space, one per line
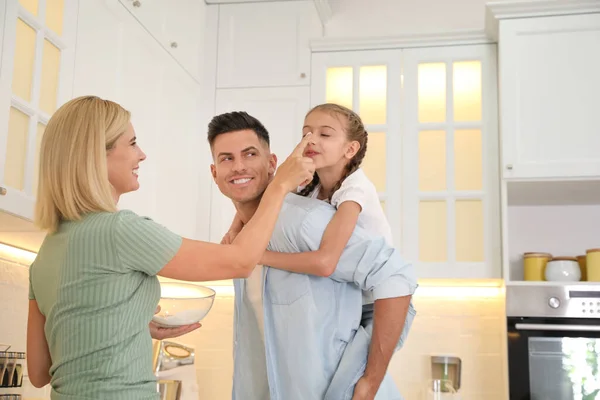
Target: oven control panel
589 307
568 301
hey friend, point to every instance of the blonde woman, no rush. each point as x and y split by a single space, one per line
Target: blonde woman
93 285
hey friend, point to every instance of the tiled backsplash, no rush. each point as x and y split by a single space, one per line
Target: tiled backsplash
14 287
471 328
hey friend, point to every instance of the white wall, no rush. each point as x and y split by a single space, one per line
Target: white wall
354 18
559 230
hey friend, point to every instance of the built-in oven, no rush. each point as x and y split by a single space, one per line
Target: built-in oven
553 342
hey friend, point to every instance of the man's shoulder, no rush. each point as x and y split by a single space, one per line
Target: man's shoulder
306 205
299 214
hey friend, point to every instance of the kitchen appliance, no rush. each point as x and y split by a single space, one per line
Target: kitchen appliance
168 355
553 333
440 389
11 372
169 389
447 370
173 365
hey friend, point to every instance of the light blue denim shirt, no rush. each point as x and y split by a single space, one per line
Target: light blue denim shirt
315 346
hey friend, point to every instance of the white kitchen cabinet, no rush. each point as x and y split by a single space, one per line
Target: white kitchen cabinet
183 157
118 60
549 73
266 44
177 25
126 66
36 73
241 1
282 111
431 114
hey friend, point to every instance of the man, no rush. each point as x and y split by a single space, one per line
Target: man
299 337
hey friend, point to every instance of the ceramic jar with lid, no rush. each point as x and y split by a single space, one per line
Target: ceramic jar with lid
565 269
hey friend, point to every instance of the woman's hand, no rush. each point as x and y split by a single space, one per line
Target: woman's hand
296 170
160 333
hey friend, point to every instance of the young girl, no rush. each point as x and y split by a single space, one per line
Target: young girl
338 146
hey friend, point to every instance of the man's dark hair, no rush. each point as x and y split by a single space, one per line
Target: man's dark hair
236 121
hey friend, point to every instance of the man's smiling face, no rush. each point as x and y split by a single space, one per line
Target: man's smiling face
243 165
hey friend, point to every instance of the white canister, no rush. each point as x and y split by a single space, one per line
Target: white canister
565 269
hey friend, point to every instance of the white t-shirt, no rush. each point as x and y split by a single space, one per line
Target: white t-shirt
254 292
358 188
254 295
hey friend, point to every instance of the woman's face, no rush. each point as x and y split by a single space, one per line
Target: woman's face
123 161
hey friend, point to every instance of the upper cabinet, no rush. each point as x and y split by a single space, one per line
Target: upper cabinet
36 74
431 114
136 72
266 44
177 25
549 74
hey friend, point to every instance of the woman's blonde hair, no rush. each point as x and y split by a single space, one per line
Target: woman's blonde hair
73 176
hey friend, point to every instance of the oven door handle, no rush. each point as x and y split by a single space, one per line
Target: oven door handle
555 327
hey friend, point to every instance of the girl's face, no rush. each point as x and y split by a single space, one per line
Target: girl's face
329 144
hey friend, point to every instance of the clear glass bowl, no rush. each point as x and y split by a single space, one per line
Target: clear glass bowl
183 304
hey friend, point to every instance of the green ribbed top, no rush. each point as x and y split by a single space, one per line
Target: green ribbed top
95 282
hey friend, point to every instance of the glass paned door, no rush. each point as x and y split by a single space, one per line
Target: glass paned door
37 55
432 153
369 84
449 200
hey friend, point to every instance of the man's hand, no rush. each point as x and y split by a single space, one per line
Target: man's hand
226 239
364 390
229 236
160 333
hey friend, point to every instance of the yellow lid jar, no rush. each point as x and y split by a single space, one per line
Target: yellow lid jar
592 261
534 265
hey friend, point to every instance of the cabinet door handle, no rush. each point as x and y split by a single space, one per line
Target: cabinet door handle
2 191
509 166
